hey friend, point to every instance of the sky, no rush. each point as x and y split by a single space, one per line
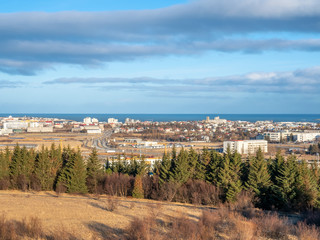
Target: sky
124 56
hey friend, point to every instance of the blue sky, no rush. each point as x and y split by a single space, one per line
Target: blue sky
201 56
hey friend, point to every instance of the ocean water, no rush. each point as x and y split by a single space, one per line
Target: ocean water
177 117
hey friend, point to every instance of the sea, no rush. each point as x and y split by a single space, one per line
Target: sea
175 117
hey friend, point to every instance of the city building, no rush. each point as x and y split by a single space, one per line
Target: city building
112 121
306 136
245 146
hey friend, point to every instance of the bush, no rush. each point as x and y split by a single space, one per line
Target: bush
140 229
4 184
305 232
12 230
272 226
112 204
7 229
117 184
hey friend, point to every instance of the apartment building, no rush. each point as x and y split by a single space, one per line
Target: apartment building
245 146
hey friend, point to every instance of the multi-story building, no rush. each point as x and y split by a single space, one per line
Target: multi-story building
112 121
245 146
306 136
277 136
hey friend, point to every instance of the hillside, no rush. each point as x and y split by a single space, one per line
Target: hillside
86 216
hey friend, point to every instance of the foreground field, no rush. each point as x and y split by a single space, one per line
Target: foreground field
45 215
85 216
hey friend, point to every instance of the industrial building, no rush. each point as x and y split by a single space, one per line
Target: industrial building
245 146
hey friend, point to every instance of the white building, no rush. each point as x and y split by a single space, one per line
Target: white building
277 136
245 146
306 136
216 120
112 120
87 120
40 129
131 121
95 120
15 125
5 131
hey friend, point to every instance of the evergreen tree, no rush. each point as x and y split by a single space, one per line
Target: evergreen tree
258 177
276 166
179 171
201 165
192 160
94 171
164 169
284 190
138 188
73 175
4 165
43 169
213 168
307 188
229 179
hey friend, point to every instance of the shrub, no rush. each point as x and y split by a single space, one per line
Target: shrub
31 227
117 184
139 229
4 184
112 204
7 229
272 226
305 232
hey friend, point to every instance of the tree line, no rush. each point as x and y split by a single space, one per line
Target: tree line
203 177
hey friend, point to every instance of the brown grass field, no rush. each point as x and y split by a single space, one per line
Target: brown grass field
86 217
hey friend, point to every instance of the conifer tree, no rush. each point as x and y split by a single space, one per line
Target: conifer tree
43 169
307 188
94 171
258 177
213 168
276 166
138 188
73 175
4 165
229 179
284 190
179 171
192 160
164 169
201 165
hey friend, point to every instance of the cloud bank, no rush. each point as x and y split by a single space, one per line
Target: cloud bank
299 81
34 41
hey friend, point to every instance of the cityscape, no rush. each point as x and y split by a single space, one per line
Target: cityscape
160 120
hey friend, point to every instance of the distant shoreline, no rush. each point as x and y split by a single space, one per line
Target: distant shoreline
177 117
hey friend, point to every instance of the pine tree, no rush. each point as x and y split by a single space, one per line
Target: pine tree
229 179
258 177
213 168
284 190
138 188
276 166
4 166
164 169
73 175
192 160
43 169
94 171
179 171
307 188
201 165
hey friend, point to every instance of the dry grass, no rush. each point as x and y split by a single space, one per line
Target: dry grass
306 232
86 217
272 226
